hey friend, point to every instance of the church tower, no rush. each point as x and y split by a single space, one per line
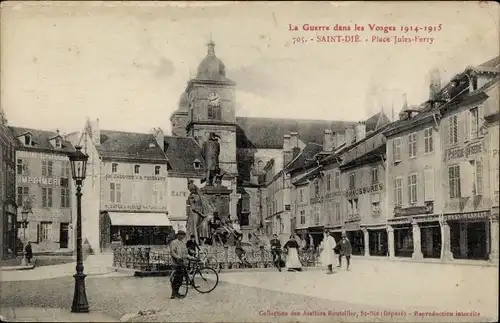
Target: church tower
179 118
211 108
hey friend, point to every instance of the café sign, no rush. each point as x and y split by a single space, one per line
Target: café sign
364 190
134 207
465 216
460 152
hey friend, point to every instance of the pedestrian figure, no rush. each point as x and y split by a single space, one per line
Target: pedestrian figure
29 252
276 251
179 254
240 252
327 256
345 250
192 247
292 259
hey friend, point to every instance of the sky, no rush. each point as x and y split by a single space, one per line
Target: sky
128 63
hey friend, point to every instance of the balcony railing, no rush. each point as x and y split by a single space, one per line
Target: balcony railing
157 258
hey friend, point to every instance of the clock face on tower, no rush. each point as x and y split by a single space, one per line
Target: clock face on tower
214 99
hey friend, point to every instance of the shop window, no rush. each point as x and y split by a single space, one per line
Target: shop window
428 141
454 181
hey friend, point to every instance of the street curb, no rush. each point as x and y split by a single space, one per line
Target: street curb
458 262
13 268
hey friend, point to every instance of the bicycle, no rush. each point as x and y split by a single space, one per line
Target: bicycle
196 274
276 253
208 261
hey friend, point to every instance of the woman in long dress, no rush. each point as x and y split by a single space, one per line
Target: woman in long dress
327 257
292 259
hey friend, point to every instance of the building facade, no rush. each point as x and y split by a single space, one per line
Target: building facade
43 180
8 205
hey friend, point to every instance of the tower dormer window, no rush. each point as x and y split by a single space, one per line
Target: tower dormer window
137 169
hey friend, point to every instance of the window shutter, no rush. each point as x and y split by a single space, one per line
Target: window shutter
466 124
38 233
466 179
480 112
429 184
446 130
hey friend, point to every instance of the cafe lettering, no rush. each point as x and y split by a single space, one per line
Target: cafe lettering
134 207
364 190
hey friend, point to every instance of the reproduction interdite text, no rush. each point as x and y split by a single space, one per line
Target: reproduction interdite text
369 313
360 33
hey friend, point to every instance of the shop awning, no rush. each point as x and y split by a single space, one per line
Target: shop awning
139 219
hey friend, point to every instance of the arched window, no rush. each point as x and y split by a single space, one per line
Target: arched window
137 169
114 168
157 170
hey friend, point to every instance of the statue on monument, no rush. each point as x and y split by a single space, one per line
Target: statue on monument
210 152
200 214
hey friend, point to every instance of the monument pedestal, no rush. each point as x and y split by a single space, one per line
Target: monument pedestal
220 197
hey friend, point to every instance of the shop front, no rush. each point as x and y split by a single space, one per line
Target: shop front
402 229
356 236
469 235
128 229
377 240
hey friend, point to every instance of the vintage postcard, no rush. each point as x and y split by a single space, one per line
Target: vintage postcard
249 161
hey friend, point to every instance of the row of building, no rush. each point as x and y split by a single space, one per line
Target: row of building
423 186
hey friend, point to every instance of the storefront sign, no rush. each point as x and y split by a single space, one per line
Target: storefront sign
460 152
135 177
134 207
467 203
465 216
352 226
45 156
364 190
180 193
414 210
40 180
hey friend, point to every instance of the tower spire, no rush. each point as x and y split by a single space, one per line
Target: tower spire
211 46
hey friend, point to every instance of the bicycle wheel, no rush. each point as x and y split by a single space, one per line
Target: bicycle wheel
213 263
205 280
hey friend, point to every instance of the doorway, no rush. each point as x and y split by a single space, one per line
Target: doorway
63 235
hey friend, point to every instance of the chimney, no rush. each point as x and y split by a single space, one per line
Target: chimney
360 130
328 141
287 143
294 139
57 132
159 137
349 136
434 83
96 132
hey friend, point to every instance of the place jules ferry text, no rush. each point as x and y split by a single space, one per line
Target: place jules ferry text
357 33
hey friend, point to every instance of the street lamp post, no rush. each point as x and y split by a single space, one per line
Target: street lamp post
24 221
78 168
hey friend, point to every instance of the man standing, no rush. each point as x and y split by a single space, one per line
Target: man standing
345 250
210 151
29 252
327 256
276 251
179 254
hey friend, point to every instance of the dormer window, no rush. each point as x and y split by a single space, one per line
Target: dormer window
473 83
27 139
137 169
58 142
114 167
197 164
157 170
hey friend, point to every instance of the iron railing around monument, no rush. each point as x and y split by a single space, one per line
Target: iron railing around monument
157 258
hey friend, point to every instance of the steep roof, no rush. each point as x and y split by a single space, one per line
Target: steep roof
181 153
129 145
41 139
306 155
268 132
377 120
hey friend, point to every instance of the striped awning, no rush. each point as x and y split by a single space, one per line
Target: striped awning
139 219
